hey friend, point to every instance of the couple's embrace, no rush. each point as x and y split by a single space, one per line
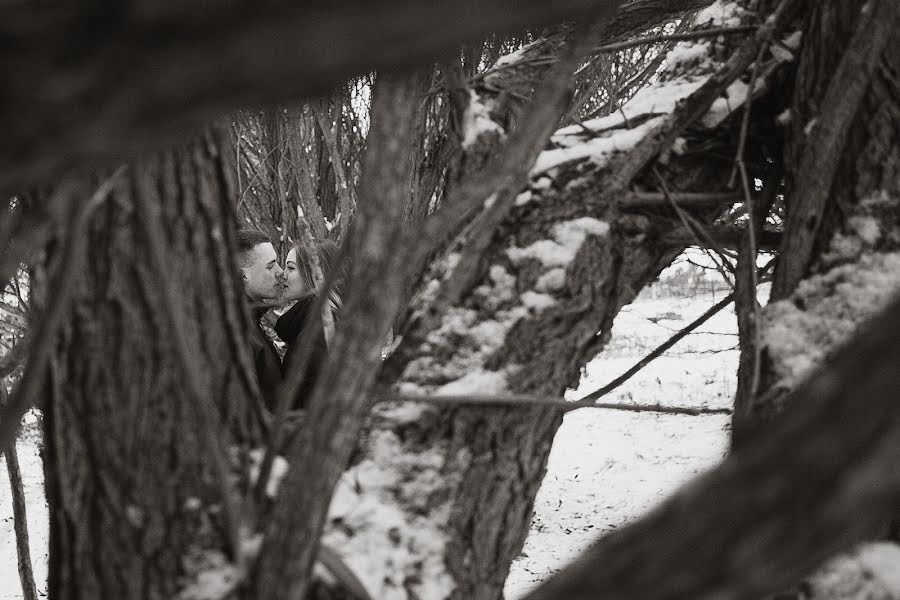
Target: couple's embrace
268 284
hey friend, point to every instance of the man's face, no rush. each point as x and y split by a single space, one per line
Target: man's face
262 276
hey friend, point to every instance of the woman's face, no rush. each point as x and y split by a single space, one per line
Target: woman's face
294 287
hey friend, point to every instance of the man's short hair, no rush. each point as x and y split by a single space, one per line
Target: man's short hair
247 240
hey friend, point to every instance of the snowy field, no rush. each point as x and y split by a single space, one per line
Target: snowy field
606 467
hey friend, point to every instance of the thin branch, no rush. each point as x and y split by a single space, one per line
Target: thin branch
697 230
751 229
723 237
566 405
692 35
68 268
342 183
20 517
589 399
655 199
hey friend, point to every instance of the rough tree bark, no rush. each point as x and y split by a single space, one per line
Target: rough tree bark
134 508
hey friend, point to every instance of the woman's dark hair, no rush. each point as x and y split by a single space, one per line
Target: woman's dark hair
327 251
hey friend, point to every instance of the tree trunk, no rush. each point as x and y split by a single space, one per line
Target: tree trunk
135 511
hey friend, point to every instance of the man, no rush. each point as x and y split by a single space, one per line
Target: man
263 286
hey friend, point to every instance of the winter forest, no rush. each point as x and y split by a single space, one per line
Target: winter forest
560 300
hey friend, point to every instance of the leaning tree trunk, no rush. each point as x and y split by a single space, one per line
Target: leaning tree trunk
135 508
441 502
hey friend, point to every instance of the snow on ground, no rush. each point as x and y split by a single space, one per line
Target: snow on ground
607 468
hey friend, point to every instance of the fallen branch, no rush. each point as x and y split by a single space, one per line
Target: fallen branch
673 37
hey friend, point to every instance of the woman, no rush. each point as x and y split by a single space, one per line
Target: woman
300 285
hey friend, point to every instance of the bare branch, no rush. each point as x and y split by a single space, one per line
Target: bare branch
690 35
343 184
699 102
724 237
489 401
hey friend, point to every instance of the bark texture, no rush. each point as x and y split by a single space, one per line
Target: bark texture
134 509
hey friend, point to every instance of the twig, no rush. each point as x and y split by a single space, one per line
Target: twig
588 399
696 229
68 268
258 170
692 35
20 517
208 423
565 405
650 199
342 183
